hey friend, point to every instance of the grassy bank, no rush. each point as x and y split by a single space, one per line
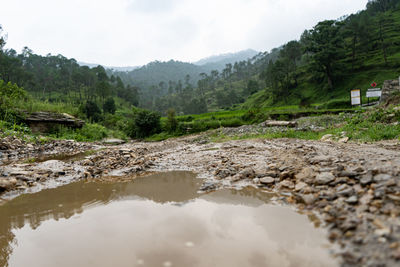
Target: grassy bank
363 126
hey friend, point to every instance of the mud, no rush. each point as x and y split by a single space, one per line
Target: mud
352 189
158 220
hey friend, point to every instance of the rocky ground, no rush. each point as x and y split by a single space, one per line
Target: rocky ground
354 189
13 149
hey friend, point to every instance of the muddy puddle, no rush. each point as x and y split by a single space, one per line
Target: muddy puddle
159 220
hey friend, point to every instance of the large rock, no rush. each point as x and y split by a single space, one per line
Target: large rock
267 180
308 198
327 137
113 141
389 88
268 123
44 122
306 174
324 178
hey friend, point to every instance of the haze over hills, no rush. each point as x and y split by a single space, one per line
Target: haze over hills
93 65
215 62
218 62
156 72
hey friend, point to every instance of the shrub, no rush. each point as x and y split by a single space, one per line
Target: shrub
109 106
89 132
144 123
305 102
171 123
10 95
250 115
185 118
92 111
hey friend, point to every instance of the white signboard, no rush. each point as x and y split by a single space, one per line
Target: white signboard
355 101
356 97
374 93
355 93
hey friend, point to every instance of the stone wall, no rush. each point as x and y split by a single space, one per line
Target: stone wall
389 87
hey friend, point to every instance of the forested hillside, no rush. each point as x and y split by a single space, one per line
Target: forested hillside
323 65
59 79
320 67
159 79
334 57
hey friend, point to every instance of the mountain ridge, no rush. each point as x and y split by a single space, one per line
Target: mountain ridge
232 57
212 62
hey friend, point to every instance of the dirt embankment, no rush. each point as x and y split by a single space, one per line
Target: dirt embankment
354 189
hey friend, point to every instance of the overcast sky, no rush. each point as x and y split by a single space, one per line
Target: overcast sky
135 32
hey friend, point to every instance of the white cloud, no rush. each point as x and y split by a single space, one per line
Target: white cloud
134 32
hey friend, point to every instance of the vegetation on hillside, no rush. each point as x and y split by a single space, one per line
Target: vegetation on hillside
323 65
311 74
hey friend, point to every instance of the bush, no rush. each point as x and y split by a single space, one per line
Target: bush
92 111
10 95
305 102
109 106
185 118
89 132
171 123
92 132
145 123
250 115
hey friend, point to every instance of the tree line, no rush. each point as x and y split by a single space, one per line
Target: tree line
57 78
323 57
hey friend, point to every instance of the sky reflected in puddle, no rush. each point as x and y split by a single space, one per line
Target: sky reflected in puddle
158 220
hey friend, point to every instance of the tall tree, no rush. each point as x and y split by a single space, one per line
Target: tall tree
326 46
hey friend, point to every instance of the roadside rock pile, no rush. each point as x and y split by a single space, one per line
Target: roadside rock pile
117 161
20 177
303 124
13 149
389 88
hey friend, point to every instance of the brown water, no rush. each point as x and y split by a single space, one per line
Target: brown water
158 220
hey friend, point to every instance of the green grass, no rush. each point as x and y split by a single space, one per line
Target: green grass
88 133
59 107
364 126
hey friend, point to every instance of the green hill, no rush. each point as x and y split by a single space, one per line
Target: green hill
321 67
365 48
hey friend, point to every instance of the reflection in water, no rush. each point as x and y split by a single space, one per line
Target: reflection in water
158 220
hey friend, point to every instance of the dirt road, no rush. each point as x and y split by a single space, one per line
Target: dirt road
354 189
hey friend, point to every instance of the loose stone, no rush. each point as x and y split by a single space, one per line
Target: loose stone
267 180
324 178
